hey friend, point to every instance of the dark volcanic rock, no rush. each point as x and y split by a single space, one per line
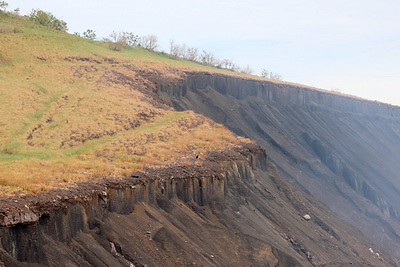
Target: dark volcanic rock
235 211
343 150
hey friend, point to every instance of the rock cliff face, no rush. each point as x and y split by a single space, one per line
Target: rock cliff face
282 94
342 150
234 210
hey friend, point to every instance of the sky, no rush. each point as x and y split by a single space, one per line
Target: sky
348 46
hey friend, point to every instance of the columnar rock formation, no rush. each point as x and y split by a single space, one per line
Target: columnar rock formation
234 210
341 149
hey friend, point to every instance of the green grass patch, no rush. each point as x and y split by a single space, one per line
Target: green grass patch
88 146
41 88
11 148
35 117
151 127
163 121
19 151
41 155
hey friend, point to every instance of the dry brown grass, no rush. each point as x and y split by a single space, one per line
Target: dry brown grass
174 138
9 28
73 110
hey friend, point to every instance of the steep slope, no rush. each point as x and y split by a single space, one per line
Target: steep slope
96 168
73 110
340 149
233 211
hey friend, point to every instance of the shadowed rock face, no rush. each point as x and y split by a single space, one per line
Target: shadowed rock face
231 213
234 209
342 150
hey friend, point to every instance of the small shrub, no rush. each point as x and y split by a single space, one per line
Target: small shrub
177 50
270 75
3 5
208 59
246 70
89 34
117 41
131 39
149 42
48 20
15 12
191 53
117 46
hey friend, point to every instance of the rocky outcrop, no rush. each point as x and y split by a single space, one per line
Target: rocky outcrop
234 210
341 149
280 93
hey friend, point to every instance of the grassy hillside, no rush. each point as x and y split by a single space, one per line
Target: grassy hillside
72 109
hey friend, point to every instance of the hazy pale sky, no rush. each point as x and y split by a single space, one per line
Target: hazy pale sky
349 46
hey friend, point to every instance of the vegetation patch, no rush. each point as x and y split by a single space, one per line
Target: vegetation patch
74 110
48 20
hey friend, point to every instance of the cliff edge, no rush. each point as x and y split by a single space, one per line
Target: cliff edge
342 150
232 210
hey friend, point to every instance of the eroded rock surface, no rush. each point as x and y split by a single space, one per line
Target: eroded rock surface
234 210
342 150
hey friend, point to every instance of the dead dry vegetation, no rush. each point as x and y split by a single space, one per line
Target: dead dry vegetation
73 110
